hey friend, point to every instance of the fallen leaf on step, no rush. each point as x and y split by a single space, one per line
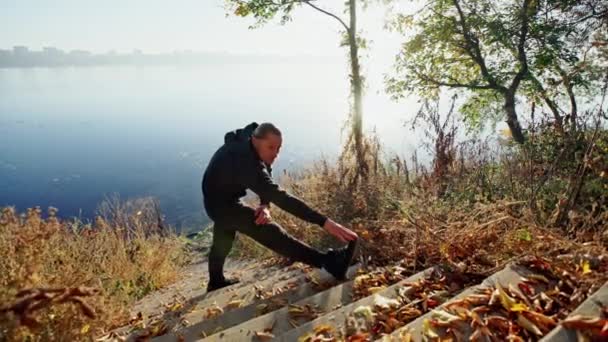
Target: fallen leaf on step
538 278
292 323
586 268
174 307
428 329
111 337
295 309
444 316
366 312
264 336
526 324
594 325
544 322
375 289
360 337
213 311
324 328
385 303
234 304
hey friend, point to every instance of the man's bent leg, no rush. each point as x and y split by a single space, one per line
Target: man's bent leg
274 237
223 238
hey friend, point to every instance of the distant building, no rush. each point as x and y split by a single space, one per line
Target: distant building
20 50
52 51
80 53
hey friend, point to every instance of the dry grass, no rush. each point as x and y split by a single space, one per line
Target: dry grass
483 238
70 281
402 218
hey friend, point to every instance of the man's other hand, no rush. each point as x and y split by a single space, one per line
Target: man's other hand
262 215
339 231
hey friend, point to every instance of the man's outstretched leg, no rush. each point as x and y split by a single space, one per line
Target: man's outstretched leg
223 237
274 237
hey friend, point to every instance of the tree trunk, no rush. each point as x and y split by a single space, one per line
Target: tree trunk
569 89
357 88
512 120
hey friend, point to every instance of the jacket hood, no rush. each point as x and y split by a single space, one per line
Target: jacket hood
241 134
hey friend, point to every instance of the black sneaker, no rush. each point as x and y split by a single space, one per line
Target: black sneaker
216 285
337 261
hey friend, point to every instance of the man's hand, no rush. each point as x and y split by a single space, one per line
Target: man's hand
339 231
262 215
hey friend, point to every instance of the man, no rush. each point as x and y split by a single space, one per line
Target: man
244 162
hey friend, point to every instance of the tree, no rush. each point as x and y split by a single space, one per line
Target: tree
265 10
565 67
497 52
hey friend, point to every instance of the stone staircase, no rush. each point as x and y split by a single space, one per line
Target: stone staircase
387 304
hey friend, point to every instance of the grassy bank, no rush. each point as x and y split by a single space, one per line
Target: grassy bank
66 280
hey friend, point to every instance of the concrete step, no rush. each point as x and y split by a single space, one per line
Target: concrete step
199 298
338 318
292 307
244 325
511 275
197 275
592 307
253 274
227 309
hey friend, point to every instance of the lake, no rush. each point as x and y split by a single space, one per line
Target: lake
71 136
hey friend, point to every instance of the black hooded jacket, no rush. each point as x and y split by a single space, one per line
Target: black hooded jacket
235 167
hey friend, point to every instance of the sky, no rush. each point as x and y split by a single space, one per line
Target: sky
167 26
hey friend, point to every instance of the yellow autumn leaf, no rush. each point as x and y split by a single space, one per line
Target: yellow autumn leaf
85 329
175 307
519 307
375 289
428 330
586 267
295 309
507 301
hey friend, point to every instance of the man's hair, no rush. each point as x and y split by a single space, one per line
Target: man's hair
264 129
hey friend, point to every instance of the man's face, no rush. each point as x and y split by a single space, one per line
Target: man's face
268 147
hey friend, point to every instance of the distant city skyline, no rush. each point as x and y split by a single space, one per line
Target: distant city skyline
157 26
50 56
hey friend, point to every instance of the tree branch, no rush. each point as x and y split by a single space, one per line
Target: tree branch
329 14
454 84
474 50
521 50
550 103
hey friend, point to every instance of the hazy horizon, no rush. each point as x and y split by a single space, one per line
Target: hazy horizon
162 27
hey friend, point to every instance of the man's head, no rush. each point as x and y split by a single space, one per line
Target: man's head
267 140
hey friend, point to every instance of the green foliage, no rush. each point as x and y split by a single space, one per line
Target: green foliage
263 10
480 107
473 46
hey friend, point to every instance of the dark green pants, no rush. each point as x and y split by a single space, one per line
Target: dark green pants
238 218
